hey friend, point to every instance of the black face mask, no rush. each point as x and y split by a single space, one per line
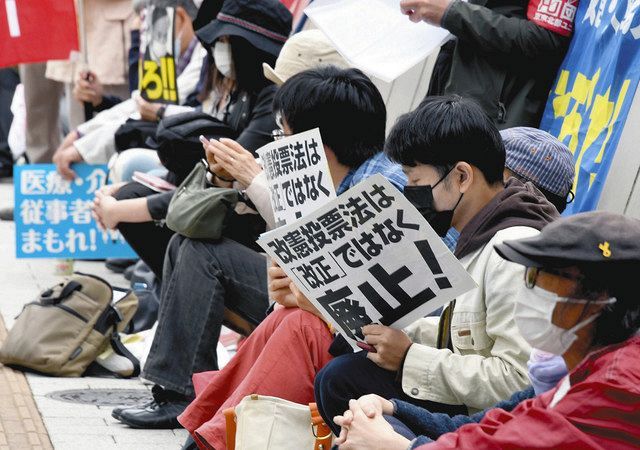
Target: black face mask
422 198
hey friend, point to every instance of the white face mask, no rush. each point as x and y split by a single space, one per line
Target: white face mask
222 58
533 315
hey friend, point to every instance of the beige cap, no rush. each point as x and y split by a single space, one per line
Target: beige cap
303 51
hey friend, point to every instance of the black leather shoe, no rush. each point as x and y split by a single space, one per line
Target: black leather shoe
161 413
115 413
154 415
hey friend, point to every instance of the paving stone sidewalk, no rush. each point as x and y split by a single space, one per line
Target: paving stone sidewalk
27 413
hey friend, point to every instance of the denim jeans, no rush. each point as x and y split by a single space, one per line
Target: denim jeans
200 279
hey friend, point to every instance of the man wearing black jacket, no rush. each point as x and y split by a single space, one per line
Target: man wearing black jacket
505 56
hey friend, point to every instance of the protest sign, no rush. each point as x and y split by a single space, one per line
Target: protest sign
53 215
158 69
298 175
23 24
368 256
592 96
375 36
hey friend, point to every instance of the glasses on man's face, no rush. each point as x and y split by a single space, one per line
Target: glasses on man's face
531 276
278 133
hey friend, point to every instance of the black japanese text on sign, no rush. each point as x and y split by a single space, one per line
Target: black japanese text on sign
298 175
368 257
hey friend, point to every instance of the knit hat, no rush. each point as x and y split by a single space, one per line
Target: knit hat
540 158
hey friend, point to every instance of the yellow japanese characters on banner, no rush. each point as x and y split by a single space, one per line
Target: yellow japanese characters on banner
590 100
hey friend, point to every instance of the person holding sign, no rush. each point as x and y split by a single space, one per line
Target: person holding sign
325 98
472 356
246 296
234 91
93 141
577 299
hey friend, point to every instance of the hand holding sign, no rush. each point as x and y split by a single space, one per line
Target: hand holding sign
278 286
431 11
367 257
391 345
303 302
148 111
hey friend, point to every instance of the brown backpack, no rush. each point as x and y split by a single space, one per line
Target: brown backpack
68 326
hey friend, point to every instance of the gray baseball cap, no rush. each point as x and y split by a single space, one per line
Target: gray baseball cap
586 238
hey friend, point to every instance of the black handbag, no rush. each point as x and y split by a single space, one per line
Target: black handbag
134 134
177 140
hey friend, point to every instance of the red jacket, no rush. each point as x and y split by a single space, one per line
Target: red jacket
601 410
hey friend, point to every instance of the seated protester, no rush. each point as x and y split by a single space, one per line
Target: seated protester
283 354
473 355
578 300
213 276
93 141
535 155
239 95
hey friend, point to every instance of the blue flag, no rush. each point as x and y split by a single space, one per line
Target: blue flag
591 97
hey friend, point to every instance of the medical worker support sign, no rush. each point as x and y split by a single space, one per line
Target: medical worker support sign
53 216
590 100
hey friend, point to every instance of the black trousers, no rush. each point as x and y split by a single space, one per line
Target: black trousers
352 376
148 239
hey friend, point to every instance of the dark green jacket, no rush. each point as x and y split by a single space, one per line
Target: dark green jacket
501 59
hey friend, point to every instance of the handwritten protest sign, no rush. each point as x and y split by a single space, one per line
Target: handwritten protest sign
53 216
158 68
368 257
298 175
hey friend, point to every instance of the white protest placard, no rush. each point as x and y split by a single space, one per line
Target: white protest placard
298 175
374 35
368 257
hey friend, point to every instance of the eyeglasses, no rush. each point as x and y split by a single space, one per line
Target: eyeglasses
531 276
279 133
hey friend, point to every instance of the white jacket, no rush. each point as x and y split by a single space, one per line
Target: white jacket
489 358
97 143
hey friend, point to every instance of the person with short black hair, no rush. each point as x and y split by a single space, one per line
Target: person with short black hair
206 281
579 300
344 104
472 356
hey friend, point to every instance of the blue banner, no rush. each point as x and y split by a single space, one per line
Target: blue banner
590 100
53 216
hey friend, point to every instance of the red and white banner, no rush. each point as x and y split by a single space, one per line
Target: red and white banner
35 31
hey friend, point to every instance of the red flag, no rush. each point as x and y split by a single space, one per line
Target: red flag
35 31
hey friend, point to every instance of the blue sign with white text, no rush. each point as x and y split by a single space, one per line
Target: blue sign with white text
53 215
